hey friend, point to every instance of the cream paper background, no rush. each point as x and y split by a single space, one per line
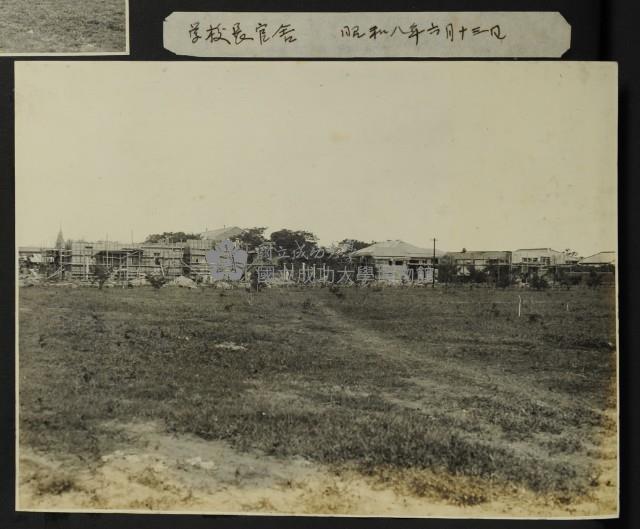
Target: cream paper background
480 155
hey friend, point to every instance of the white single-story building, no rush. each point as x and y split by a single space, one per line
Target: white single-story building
600 259
396 260
538 257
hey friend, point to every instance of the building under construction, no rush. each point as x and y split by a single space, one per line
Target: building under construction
79 260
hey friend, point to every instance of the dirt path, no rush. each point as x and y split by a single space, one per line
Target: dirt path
441 374
450 377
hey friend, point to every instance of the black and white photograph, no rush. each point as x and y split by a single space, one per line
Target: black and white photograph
63 27
317 288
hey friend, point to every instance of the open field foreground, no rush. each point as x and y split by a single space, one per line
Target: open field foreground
62 26
369 401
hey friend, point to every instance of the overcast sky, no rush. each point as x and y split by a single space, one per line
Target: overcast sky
498 155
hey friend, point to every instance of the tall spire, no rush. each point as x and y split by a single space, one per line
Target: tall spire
60 240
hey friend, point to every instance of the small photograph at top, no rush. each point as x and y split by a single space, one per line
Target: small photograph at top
34 27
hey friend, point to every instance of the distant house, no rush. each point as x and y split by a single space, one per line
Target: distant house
538 257
572 259
222 233
599 259
396 260
195 250
33 254
478 260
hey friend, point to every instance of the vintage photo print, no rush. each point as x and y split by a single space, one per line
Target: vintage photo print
64 27
319 288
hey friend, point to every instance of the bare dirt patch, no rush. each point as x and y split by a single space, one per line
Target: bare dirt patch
156 471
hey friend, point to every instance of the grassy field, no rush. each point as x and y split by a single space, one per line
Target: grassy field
381 382
41 26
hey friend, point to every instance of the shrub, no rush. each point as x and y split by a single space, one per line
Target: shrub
447 272
594 279
156 281
539 283
500 275
476 276
101 273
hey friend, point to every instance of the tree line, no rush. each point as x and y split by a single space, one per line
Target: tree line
293 245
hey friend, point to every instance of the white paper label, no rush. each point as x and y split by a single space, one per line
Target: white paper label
367 35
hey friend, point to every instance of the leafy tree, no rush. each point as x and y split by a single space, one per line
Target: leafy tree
447 272
475 275
171 237
539 282
499 275
355 244
337 255
562 277
101 273
299 244
252 237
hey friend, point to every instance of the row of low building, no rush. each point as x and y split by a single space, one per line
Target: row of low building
400 260
393 260
528 257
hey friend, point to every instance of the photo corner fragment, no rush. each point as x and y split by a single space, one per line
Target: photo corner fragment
63 28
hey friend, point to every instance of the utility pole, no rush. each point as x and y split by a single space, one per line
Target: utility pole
433 265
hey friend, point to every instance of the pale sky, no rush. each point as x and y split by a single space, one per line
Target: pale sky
487 156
